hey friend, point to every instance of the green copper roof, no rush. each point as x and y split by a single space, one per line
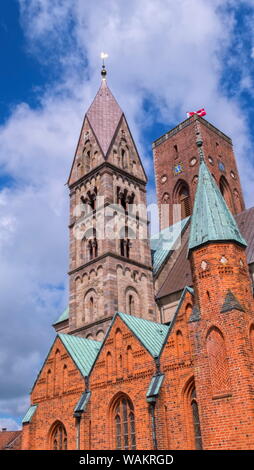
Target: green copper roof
63 316
29 414
82 350
150 334
211 219
163 242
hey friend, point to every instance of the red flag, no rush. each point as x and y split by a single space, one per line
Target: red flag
201 112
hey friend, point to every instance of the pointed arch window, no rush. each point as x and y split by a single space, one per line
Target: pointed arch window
226 192
58 437
196 421
184 200
181 196
192 417
124 425
217 358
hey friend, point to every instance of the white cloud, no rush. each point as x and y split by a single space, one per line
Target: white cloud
170 53
9 424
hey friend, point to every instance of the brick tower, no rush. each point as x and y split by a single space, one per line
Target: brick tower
177 165
221 325
110 260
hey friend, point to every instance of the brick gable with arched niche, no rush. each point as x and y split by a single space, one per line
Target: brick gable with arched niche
119 382
53 425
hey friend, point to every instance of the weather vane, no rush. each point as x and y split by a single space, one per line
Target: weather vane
104 55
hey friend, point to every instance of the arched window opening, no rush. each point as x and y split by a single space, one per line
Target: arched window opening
131 305
91 307
226 192
87 154
176 151
184 200
92 244
49 383
217 357
129 360
180 343
109 365
196 421
125 243
124 425
58 439
181 196
65 377
123 158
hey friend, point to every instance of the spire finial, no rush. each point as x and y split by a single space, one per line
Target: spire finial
104 55
199 142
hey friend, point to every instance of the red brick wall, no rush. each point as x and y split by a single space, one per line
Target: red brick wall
222 353
132 381
215 145
56 405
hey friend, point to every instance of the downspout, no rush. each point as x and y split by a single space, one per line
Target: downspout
152 404
154 434
78 415
78 419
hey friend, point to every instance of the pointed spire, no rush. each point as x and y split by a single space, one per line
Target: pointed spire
104 114
211 219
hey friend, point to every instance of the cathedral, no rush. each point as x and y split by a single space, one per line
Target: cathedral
156 347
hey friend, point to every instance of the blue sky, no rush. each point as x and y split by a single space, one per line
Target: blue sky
165 58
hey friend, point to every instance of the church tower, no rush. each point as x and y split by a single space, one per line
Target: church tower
110 259
176 165
222 322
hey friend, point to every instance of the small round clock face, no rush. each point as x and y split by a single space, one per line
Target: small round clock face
221 166
233 175
178 168
210 160
204 265
193 161
164 178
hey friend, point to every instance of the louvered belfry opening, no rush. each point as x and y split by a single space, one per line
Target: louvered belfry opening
184 200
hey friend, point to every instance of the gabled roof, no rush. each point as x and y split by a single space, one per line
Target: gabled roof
104 115
211 219
64 316
83 351
149 333
165 241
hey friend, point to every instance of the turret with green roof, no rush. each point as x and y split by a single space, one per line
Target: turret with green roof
211 220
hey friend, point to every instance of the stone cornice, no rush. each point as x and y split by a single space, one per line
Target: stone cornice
112 255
